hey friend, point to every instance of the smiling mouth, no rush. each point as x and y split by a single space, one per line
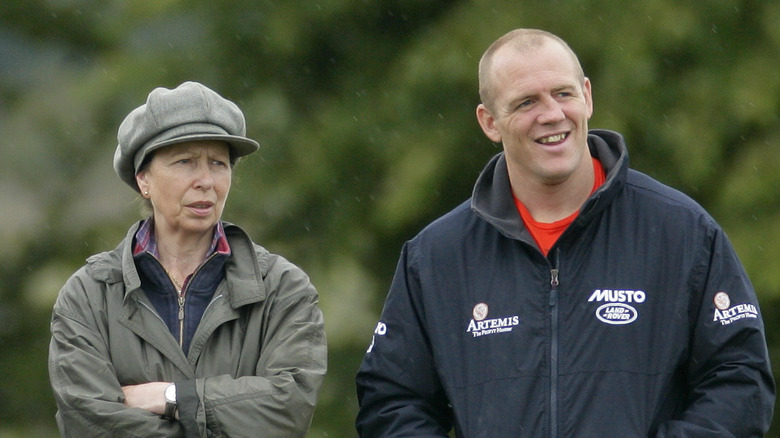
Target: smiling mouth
552 139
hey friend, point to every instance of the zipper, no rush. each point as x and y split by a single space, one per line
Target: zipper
213 300
181 296
181 318
553 303
151 309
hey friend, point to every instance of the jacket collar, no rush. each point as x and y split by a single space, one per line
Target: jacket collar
244 270
492 195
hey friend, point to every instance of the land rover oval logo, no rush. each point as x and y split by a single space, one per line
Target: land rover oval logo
616 313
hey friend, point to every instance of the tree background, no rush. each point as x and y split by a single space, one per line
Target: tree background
365 114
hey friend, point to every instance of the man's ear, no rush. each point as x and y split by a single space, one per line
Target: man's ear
588 93
488 123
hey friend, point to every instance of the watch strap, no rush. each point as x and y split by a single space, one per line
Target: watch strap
170 407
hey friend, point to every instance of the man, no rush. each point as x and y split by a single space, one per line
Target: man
570 296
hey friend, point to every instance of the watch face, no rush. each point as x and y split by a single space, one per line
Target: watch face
170 393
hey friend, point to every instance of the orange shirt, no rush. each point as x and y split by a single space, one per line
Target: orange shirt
546 234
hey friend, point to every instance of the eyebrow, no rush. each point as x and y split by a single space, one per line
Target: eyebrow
523 97
565 88
180 152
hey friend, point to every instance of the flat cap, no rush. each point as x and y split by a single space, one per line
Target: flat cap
189 112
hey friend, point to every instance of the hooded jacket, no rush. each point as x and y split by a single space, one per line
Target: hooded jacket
254 366
641 322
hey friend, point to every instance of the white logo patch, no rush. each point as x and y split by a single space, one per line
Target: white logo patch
479 326
727 314
480 312
616 310
722 300
616 313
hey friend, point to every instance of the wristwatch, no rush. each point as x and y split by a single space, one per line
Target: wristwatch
170 402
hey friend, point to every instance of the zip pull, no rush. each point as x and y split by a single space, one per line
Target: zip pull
554 288
181 320
181 307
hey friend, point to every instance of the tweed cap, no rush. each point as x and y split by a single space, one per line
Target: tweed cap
189 112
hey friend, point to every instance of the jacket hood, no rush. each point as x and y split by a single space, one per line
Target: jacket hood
492 196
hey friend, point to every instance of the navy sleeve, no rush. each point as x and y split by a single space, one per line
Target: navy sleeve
398 389
731 389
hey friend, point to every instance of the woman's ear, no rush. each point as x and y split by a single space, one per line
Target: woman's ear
143 183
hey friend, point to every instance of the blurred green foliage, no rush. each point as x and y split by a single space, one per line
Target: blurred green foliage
365 113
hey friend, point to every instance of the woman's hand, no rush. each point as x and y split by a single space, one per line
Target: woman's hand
149 396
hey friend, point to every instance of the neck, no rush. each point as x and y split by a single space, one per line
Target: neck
551 202
181 255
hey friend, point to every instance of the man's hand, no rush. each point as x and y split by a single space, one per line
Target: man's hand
149 396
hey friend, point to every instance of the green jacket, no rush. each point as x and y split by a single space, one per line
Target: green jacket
254 367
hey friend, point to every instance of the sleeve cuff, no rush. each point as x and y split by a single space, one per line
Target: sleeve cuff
188 402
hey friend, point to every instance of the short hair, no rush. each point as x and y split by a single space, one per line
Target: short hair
520 40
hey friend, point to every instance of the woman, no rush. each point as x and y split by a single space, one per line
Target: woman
187 328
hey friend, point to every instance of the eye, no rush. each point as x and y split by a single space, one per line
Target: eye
219 163
525 104
566 93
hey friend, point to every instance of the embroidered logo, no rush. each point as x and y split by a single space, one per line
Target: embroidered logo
480 312
727 314
479 326
616 313
618 308
722 300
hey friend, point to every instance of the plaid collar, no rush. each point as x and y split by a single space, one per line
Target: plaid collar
145 240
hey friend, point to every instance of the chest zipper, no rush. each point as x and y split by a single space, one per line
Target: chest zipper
554 352
181 297
181 317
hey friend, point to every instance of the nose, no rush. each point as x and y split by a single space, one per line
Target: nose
204 179
551 112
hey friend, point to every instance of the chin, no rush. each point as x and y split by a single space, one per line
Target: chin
200 226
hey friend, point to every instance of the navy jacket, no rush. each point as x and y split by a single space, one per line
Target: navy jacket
640 322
